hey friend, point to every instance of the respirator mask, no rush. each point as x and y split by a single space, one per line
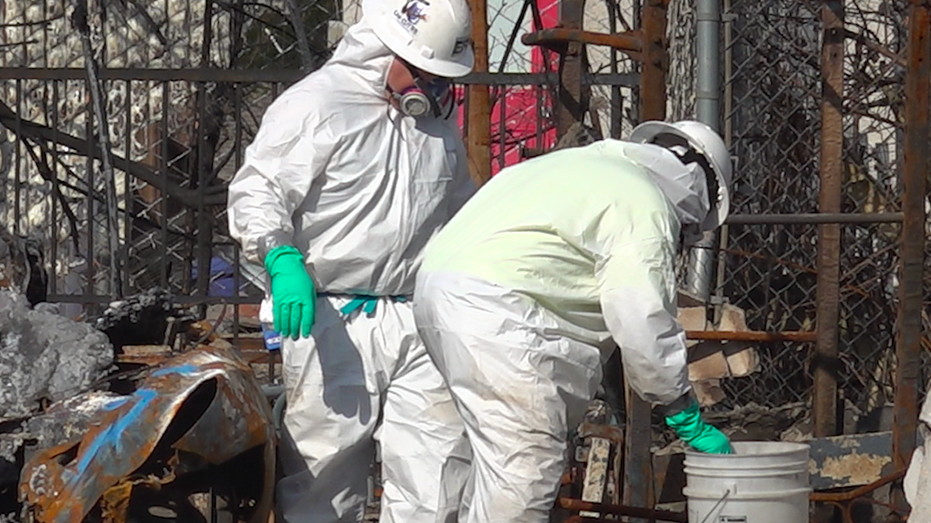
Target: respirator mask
423 97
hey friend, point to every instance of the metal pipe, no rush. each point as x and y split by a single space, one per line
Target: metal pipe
815 218
760 336
824 364
622 510
571 97
707 110
638 462
478 132
560 36
917 155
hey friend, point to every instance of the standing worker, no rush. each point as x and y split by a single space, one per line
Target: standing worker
353 170
528 289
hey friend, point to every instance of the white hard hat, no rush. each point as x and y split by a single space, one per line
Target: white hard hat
432 35
710 145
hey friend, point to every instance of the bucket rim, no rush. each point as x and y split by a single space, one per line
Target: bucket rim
797 448
775 466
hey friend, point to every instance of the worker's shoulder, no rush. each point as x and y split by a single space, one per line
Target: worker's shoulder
603 165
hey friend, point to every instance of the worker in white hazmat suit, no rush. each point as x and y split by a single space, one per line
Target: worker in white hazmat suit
525 293
353 170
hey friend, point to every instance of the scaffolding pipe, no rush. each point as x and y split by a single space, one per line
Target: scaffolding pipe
478 131
915 168
707 110
827 287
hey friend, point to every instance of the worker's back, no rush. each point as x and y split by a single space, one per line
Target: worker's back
544 227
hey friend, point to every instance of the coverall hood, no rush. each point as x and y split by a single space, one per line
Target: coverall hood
683 185
365 56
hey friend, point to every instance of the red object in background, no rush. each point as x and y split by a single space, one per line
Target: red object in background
527 109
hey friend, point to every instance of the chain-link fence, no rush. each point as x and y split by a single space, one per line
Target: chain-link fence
772 120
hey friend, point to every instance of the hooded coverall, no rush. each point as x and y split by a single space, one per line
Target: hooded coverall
359 189
527 290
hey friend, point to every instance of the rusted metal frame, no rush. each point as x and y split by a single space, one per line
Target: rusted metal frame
81 146
815 218
616 96
572 100
758 336
859 491
638 463
622 510
629 41
204 235
502 129
824 364
845 501
916 164
655 60
478 132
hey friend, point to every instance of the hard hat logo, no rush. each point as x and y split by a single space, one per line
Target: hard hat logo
413 12
461 45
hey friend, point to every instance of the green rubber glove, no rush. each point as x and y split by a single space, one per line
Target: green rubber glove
693 430
292 291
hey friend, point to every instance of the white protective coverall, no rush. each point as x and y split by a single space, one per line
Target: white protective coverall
359 189
520 296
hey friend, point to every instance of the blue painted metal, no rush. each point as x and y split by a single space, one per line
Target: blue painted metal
63 483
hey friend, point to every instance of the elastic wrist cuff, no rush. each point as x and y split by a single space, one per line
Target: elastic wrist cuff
271 241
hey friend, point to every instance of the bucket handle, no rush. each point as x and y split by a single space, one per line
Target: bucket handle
710 512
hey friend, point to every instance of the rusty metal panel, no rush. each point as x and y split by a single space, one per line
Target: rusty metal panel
849 461
824 403
64 482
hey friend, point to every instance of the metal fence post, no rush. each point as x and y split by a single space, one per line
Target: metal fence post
478 133
917 153
638 464
824 400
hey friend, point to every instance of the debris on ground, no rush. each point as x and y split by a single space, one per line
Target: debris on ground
45 357
147 318
88 432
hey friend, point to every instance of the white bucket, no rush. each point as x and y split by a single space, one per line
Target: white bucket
762 482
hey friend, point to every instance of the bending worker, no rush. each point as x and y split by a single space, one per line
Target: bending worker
353 170
528 289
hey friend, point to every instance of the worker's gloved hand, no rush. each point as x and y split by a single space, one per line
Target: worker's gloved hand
693 430
292 292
